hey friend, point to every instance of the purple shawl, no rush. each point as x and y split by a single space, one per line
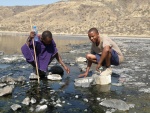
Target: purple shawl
44 53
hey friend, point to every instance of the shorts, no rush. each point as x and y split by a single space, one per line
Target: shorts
114 58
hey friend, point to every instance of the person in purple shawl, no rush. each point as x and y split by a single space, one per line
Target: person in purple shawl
46 51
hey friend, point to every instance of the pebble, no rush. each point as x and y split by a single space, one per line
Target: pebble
86 100
40 108
26 101
33 100
76 96
15 107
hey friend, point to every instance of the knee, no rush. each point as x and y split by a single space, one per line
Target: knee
88 57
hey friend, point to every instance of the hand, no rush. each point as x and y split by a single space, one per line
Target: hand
97 67
83 75
32 35
67 69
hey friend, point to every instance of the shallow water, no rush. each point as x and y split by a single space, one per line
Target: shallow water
134 72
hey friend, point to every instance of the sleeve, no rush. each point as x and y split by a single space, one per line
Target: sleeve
27 53
55 50
92 51
106 42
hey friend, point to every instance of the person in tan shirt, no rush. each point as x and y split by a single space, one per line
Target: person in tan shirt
104 52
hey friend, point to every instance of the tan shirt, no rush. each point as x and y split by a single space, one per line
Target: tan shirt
106 41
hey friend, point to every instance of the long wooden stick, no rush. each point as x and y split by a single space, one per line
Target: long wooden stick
37 71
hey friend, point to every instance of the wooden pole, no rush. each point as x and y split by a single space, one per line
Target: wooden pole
37 71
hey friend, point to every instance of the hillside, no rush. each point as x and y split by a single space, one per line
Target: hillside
115 17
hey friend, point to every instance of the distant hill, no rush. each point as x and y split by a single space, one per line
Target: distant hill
113 17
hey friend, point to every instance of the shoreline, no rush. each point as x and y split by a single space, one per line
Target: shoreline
14 33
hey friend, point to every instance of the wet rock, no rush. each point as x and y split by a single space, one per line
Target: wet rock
54 77
7 79
116 84
15 107
117 104
6 90
131 105
76 96
21 79
31 109
98 98
80 59
40 108
33 76
2 85
56 70
101 80
43 101
1 53
85 99
26 101
145 90
58 105
58 101
83 82
33 100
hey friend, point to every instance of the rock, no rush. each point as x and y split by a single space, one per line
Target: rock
33 100
83 82
145 90
31 109
85 99
6 90
33 76
26 101
101 80
1 53
117 104
43 101
56 70
58 105
76 96
2 85
40 108
15 107
98 98
80 59
116 84
21 79
58 101
54 77
7 79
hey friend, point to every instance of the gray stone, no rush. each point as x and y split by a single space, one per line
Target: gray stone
43 101
145 90
7 79
15 107
80 59
83 82
6 90
85 99
33 100
26 101
2 85
117 104
21 79
33 76
54 77
40 108
58 105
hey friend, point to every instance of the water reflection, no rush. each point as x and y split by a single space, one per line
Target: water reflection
12 44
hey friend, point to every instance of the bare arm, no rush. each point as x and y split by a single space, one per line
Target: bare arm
103 56
59 59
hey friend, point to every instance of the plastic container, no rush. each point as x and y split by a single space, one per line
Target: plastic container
36 33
